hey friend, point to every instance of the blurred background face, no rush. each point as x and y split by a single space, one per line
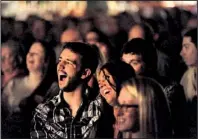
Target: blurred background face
135 61
91 38
128 115
107 87
70 35
35 59
189 52
7 60
38 29
18 29
136 32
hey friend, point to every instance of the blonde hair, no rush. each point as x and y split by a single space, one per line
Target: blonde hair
154 113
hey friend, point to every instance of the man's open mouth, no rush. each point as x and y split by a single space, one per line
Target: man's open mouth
62 76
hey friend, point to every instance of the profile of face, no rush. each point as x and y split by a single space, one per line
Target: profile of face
127 113
35 59
107 87
38 29
135 61
91 38
68 70
136 32
7 60
189 52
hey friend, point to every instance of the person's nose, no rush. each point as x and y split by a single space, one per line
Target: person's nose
61 66
119 111
101 83
182 53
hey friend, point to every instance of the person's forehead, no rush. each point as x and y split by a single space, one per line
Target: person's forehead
37 47
68 53
132 56
104 71
187 39
126 97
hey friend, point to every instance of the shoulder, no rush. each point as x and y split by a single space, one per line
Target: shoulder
188 76
48 105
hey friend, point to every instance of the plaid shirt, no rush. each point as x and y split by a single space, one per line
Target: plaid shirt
53 119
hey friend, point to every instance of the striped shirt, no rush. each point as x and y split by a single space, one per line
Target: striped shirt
53 119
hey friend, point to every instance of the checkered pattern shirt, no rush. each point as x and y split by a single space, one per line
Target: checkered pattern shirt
53 119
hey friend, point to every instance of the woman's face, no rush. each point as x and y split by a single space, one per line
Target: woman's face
7 60
35 59
127 116
107 87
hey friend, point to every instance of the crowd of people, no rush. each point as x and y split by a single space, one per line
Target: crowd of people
100 76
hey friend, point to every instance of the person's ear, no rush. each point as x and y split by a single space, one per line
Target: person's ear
86 73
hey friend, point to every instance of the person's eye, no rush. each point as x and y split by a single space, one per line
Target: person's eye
135 63
186 46
107 77
67 62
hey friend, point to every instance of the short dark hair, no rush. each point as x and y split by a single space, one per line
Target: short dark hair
144 48
193 34
89 55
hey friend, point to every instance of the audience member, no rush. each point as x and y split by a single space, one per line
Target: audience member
23 94
12 61
70 114
143 110
189 79
141 55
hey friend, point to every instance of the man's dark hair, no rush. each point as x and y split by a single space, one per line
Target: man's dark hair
144 48
88 54
193 34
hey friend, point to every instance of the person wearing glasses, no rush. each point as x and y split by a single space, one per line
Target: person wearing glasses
142 56
143 110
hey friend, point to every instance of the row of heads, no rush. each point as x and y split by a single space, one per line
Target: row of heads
135 46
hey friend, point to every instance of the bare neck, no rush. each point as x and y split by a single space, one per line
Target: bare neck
34 79
35 76
74 99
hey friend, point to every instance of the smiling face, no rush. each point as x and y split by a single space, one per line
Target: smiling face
127 116
189 52
107 87
68 70
35 58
